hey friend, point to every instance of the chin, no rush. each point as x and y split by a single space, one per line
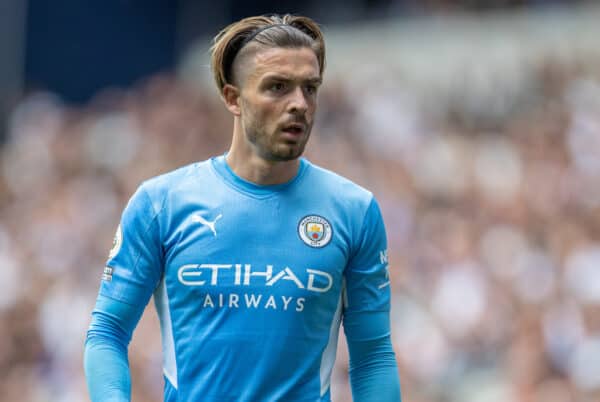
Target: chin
286 155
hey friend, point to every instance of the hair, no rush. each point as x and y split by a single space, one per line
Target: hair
288 31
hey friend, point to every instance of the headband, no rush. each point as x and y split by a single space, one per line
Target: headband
254 34
235 47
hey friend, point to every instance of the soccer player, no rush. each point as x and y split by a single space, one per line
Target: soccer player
254 257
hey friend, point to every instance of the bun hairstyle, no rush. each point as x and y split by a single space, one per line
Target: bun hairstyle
286 31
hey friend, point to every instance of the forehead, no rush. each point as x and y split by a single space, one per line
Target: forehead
295 63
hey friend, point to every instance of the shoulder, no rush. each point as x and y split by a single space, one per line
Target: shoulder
161 187
342 189
344 195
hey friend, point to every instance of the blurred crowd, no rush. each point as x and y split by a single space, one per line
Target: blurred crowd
492 210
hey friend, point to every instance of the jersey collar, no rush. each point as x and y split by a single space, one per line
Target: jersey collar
221 167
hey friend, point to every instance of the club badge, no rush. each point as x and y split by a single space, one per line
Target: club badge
315 231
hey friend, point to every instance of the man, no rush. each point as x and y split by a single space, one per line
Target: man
254 257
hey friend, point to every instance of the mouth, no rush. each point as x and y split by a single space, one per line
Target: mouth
294 129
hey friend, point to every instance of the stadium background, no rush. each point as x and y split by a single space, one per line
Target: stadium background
476 124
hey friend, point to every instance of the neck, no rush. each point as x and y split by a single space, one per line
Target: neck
247 164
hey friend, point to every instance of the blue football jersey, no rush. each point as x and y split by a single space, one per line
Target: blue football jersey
250 282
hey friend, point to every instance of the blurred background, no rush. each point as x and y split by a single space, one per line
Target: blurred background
476 123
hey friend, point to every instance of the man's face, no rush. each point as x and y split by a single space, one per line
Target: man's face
278 99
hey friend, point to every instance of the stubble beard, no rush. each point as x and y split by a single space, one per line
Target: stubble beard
268 146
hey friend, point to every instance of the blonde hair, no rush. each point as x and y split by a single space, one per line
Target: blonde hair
268 31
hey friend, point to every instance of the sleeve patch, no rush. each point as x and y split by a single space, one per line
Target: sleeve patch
117 242
107 274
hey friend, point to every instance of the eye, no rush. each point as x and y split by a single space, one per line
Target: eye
277 87
311 89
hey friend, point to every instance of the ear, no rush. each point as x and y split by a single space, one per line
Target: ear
231 97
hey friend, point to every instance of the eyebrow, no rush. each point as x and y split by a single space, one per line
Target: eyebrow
283 77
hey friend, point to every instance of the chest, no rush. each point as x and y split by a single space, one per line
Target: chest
290 245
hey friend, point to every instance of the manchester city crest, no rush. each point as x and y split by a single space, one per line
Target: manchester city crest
315 231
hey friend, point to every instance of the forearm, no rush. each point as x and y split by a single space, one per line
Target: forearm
373 371
105 357
106 370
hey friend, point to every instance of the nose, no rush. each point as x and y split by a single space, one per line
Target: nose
298 103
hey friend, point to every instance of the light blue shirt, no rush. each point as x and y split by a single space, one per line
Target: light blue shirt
252 282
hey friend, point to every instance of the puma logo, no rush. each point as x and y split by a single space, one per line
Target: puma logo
211 224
